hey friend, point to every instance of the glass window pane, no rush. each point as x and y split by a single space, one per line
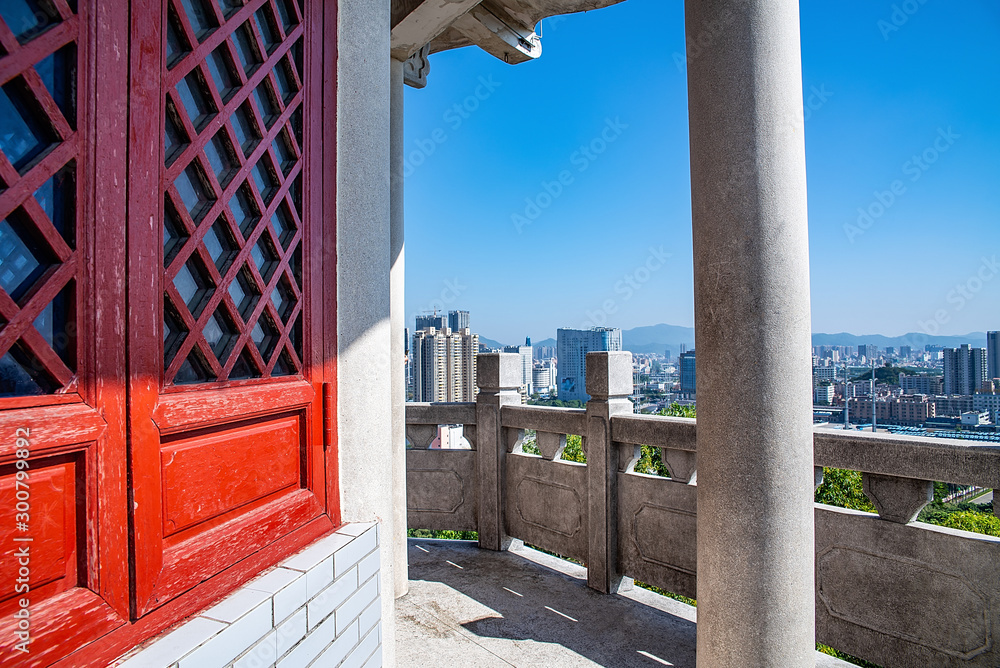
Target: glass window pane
195 99
28 19
58 72
57 197
24 134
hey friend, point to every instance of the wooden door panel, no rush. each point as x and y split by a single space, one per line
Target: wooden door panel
212 407
198 484
63 402
48 495
193 561
227 441
61 623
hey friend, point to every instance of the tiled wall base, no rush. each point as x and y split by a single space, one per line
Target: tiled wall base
319 607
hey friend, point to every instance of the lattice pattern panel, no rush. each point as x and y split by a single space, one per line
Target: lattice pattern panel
232 186
39 147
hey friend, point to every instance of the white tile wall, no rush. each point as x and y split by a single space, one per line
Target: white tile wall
322 602
330 598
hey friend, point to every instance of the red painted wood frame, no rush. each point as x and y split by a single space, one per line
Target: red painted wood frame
122 451
74 415
226 386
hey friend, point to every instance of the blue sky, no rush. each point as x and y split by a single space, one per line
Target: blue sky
507 218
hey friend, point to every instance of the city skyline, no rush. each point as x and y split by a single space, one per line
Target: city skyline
899 125
915 340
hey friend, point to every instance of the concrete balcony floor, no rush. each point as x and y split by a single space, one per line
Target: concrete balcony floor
471 607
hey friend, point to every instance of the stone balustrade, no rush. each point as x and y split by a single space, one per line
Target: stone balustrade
888 589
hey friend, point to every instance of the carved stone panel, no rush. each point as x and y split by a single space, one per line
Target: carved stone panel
547 504
441 489
898 592
906 594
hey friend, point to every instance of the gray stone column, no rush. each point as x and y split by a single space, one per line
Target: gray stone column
609 384
364 389
751 271
498 376
397 327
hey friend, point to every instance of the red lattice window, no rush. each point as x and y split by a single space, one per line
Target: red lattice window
232 193
39 147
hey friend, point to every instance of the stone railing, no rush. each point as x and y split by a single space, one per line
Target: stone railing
888 589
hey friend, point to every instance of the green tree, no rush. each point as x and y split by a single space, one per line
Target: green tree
678 410
574 449
842 488
446 534
977 522
650 462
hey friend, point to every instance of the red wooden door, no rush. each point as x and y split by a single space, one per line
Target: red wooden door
225 291
167 309
63 508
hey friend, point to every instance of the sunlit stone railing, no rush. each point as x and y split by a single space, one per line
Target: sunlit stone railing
888 589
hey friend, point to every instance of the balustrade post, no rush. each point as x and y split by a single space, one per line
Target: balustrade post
609 384
498 377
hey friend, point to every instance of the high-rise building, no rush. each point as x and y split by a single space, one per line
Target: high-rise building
953 405
824 374
686 362
868 350
436 321
527 366
912 410
543 377
458 320
543 353
572 346
965 369
444 365
993 355
823 394
905 352
931 385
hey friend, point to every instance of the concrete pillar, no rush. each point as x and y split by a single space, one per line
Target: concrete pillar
397 327
609 384
751 269
498 376
364 394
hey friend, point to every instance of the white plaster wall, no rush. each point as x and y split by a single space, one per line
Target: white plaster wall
363 263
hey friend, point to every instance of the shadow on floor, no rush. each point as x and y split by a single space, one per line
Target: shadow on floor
524 608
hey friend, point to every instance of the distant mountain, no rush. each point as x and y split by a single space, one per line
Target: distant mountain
658 338
913 339
490 343
651 339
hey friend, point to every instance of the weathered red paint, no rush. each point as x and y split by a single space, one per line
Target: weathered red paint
162 498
